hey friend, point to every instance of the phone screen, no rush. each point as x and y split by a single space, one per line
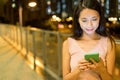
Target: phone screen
95 56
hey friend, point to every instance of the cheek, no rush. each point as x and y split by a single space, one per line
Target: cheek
96 24
82 24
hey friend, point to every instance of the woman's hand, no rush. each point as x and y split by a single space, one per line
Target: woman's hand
97 66
83 65
100 69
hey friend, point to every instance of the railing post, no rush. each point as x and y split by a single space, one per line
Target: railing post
59 56
33 47
26 39
10 32
1 30
17 34
43 47
44 50
21 38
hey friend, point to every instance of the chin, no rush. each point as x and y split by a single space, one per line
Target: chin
90 33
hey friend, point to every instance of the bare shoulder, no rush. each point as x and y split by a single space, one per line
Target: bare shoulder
65 49
66 42
110 42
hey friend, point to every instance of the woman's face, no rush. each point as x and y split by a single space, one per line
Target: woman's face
89 21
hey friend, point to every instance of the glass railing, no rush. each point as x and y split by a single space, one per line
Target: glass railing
41 48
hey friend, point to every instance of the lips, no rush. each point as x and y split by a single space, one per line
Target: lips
89 29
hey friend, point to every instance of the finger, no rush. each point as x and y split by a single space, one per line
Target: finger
93 61
82 68
101 59
83 61
84 64
93 66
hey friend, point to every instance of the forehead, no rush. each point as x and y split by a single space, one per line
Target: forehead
88 13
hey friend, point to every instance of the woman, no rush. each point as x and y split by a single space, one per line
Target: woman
89 36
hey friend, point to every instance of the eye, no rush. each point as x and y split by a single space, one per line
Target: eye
84 20
94 19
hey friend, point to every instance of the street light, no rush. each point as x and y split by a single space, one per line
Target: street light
32 4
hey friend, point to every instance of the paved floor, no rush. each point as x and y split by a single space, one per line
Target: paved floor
13 66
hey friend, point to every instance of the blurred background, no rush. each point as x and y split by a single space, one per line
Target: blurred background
38 27
52 14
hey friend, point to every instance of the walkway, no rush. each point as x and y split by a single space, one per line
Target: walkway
13 66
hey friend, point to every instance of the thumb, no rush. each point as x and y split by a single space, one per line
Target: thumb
93 61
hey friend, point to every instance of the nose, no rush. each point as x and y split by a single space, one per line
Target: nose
90 23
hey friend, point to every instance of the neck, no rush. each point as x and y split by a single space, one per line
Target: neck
91 37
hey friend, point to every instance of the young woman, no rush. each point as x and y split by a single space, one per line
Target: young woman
89 36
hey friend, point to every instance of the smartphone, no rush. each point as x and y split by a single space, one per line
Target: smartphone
95 56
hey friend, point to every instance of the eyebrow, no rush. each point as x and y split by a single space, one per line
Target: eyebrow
92 17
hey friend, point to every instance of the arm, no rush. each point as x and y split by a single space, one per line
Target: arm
67 74
110 58
104 74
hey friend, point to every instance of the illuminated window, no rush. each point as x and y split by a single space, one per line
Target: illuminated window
118 6
119 1
58 7
75 2
63 1
107 8
64 6
49 10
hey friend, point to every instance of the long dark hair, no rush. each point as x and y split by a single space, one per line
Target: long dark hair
90 4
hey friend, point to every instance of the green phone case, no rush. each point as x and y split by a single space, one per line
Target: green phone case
95 56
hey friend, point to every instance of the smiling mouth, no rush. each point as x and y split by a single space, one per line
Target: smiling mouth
89 29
